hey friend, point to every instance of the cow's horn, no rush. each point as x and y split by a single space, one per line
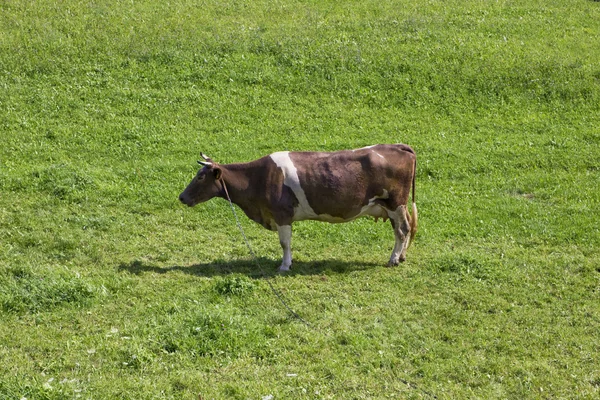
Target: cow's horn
204 156
203 163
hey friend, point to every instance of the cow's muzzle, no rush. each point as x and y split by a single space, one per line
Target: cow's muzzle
185 200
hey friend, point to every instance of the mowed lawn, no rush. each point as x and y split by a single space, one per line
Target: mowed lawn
111 289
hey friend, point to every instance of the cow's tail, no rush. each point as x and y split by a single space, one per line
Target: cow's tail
414 218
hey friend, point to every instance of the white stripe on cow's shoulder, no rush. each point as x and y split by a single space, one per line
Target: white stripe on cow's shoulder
290 179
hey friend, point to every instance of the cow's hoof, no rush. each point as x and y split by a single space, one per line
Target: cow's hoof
394 263
284 268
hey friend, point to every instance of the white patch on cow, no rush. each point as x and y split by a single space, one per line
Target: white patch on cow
285 239
364 148
370 147
375 210
290 179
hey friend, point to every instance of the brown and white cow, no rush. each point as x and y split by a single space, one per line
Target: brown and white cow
339 186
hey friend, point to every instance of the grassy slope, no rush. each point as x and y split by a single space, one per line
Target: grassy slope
104 108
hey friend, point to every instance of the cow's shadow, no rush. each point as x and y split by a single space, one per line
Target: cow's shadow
256 269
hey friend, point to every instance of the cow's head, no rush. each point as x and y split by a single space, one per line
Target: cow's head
205 184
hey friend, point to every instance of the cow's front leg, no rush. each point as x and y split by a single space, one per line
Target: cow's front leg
285 239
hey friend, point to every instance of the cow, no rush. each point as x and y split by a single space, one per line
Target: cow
340 186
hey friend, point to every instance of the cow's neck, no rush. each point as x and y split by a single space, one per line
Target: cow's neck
242 185
237 181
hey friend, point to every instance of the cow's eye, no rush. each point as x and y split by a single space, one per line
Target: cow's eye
201 177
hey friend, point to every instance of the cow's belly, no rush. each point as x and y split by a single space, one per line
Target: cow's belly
370 209
374 210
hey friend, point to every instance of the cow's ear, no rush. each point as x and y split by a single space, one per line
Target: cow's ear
217 171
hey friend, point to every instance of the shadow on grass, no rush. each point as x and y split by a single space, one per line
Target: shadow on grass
268 268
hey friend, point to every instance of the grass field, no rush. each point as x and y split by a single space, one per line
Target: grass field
111 289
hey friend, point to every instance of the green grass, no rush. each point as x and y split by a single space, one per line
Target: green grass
109 288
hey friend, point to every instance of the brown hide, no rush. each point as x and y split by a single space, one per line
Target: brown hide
339 184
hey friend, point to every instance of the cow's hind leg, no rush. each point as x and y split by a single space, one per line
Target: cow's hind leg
401 225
